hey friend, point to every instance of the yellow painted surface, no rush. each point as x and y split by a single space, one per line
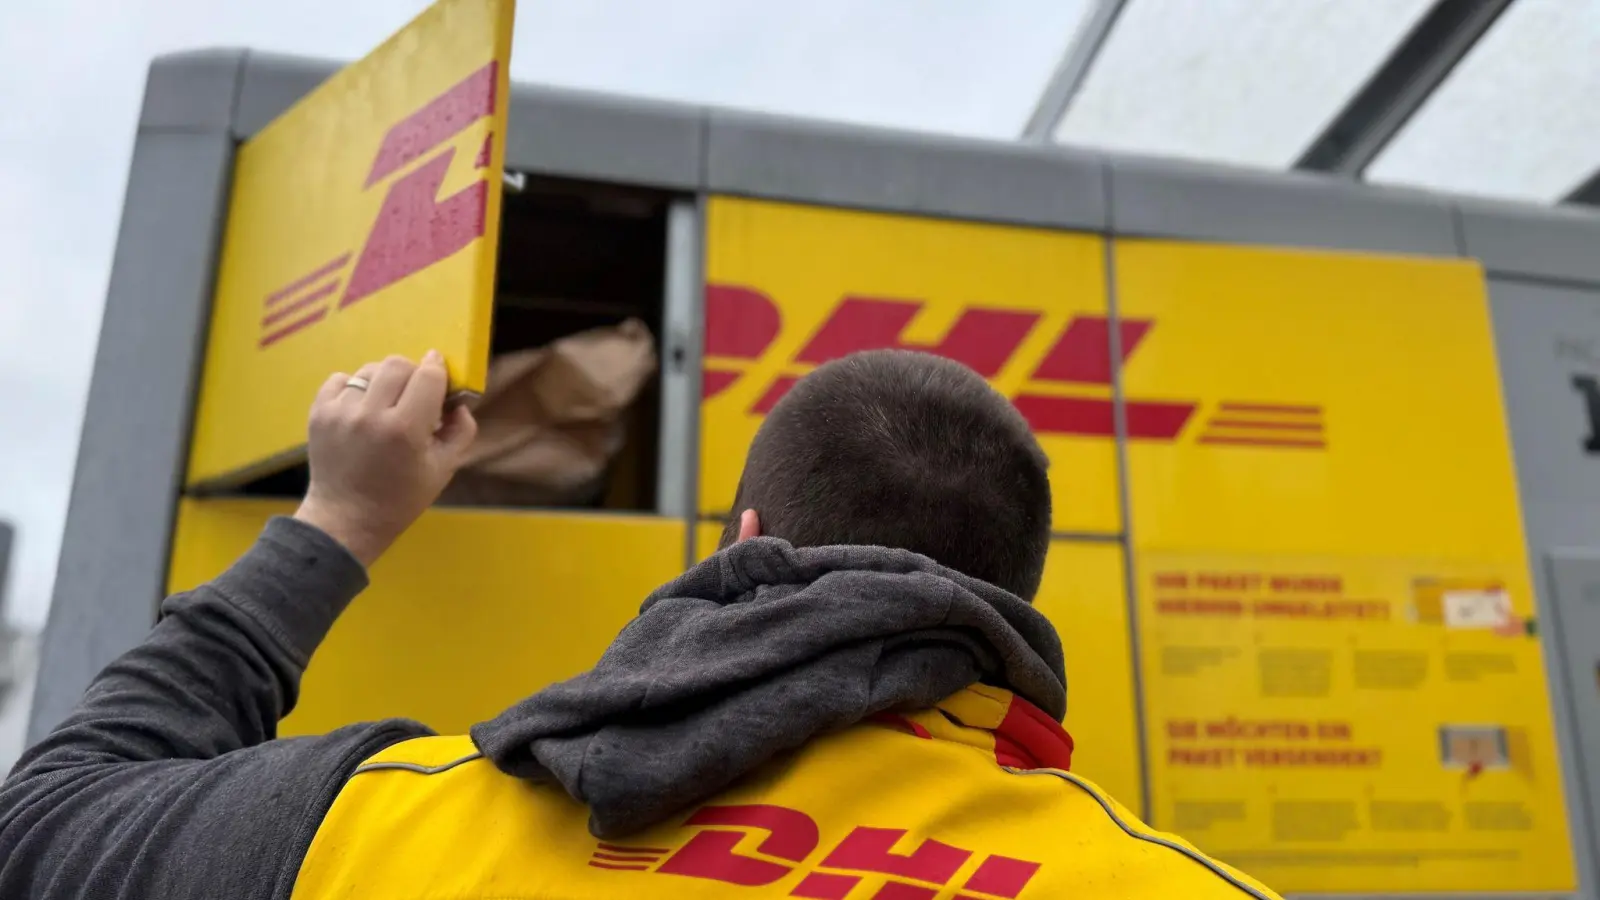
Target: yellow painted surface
1348 436
470 612
302 215
807 260
1300 710
706 535
1084 596
1397 360
869 812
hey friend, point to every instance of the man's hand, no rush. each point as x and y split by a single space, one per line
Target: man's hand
381 456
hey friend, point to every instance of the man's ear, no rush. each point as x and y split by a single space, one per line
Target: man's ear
749 525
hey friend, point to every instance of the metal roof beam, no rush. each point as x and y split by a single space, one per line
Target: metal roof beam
1587 193
1400 86
1071 71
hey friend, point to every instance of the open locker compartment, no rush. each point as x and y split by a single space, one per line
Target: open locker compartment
573 256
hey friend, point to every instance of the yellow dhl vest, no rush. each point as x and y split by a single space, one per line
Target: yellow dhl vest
912 807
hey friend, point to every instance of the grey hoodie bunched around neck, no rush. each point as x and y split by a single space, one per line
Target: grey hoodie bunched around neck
754 652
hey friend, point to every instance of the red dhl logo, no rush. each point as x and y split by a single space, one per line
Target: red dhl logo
415 228
789 838
742 323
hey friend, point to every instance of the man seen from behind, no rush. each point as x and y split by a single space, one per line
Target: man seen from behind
853 698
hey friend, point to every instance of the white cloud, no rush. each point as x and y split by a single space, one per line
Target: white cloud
72 73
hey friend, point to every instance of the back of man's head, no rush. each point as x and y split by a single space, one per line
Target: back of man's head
901 449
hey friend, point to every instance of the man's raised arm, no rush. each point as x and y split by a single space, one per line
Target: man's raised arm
166 781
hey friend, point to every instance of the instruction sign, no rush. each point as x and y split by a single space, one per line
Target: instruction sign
1348 725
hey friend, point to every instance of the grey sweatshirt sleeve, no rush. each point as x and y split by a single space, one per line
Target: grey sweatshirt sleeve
166 782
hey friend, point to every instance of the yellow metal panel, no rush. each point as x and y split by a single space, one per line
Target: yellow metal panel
1311 722
1334 594
790 286
470 612
364 222
1084 595
706 535
1344 404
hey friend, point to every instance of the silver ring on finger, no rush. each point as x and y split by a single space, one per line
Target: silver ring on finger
358 383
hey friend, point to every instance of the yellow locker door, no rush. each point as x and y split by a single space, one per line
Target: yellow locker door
363 222
470 612
790 287
1342 691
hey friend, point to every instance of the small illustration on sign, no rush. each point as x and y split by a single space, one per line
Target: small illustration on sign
1481 609
1474 748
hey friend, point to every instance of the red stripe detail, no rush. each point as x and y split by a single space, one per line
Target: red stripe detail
626 857
283 312
485 153
895 890
440 119
822 886
618 848
414 229
712 854
621 868
1148 420
1087 416
294 326
740 322
872 850
982 339
1259 442
895 720
1067 415
1270 408
1083 352
1028 738
714 382
1002 876
780 386
793 835
317 275
1269 426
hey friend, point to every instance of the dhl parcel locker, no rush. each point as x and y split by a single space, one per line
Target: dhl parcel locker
1343 678
365 222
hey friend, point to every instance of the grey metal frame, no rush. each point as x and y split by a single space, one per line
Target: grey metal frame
116 544
1071 71
198 105
1398 88
1586 193
683 314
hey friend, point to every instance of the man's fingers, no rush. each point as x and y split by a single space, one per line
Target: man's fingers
330 389
352 395
457 434
389 381
424 394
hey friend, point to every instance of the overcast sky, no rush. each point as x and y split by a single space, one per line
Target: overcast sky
72 74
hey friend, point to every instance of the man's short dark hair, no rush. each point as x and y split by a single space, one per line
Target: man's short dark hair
896 448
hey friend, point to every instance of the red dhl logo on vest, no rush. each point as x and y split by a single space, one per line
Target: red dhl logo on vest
415 228
742 323
790 839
